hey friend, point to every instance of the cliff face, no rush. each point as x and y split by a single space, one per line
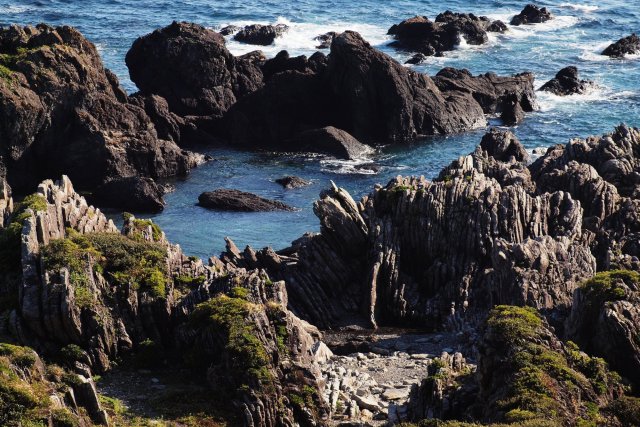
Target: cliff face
61 111
98 295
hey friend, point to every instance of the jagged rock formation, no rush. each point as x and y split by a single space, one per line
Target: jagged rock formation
134 194
532 234
605 320
260 34
190 67
367 94
567 82
6 203
532 14
329 140
236 200
61 111
93 294
325 39
419 34
625 46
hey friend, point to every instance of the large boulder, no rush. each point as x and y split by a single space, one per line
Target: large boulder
235 200
329 140
567 82
132 194
532 14
192 69
419 34
263 35
61 111
625 46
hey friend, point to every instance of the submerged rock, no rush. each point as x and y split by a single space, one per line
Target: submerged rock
292 182
260 34
532 14
235 200
625 46
567 82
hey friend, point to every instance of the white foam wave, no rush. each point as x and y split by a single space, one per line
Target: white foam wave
350 167
527 30
586 8
549 101
300 37
13 9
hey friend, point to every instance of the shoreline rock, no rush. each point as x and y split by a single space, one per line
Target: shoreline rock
235 200
625 46
263 35
290 182
532 14
567 82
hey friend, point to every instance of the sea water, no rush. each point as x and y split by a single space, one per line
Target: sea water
575 37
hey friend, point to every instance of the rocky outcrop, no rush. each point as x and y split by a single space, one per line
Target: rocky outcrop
625 46
260 34
235 200
605 320
419 34
190 67
532 14
325 39
367 94
6 203
133 194
63 112
292 182
331 141
567 82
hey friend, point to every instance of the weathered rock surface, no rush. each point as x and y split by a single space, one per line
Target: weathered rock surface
419 34
329 140
61 111
190 67
532 14
625 46
325 39
260 34
235 200
292 182
134 194
567 82
367 94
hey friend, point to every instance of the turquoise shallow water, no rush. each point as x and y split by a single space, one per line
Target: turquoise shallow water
575 37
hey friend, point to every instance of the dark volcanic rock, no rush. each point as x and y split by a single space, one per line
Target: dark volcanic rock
133 194
229 29
192 69
497 27
329 140
260 34
567 82
503 145
626 45
292 182
532 14
430 38
418 58
235 200
61 111
367 94
325 39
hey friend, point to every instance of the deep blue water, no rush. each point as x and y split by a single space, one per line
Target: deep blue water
579 32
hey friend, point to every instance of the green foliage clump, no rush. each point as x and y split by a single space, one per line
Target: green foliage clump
606 285
148 354
248 356
239 292
72 353
20 401
19 356
10 237
627 410
143 224
139 264
188 281
514 323
278 318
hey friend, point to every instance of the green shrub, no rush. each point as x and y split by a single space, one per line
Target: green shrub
238 292
605 286
143 224
19 356
72 353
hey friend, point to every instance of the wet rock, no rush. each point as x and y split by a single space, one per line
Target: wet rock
133 194
235 200
330 140
260 34
512 112
418 58
292 182
532 14
325 39
421 35
190 67
567 82
497 26
625 46
229 29
503 145
60 118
